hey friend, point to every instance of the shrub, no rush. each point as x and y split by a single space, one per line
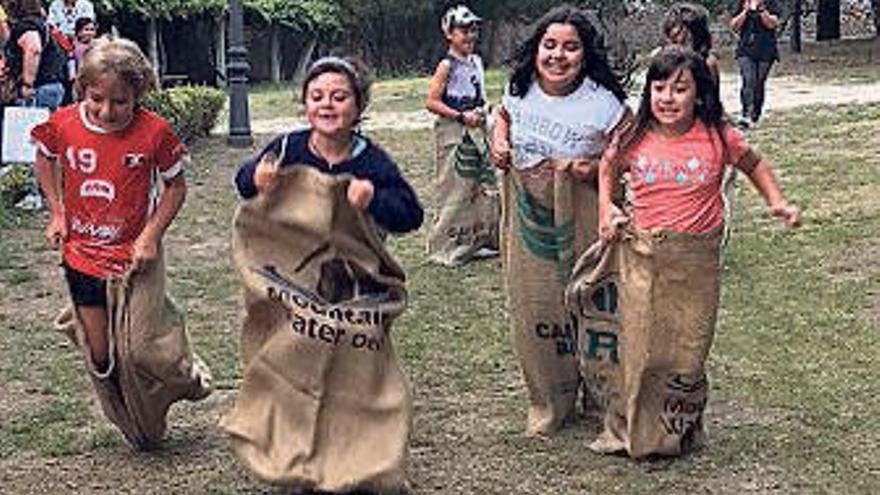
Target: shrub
15 180
191 110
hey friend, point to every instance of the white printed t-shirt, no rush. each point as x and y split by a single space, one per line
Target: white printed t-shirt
561 127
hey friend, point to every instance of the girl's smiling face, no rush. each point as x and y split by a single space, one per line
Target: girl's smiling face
331 106
462 39
109 102
87 33
559 59
673 102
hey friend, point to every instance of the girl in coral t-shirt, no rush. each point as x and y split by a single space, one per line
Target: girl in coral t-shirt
674 157
676 152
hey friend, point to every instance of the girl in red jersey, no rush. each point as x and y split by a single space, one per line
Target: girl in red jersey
108 150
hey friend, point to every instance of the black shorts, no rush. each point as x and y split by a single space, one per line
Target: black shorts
86 290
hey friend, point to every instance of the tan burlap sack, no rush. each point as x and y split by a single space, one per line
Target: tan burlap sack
151 364
465 224
592 295
669 290
548 216
324 403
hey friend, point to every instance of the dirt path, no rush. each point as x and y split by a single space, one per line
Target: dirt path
790 92
782 93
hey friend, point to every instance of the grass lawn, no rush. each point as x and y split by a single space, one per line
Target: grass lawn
389 95
795 398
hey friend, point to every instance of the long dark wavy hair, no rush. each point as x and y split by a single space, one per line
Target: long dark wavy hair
694 18
595 63
671 59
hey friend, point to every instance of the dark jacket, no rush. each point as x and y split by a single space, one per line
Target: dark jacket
394 207
53 61
755 40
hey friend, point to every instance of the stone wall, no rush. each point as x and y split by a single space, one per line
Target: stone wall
856 20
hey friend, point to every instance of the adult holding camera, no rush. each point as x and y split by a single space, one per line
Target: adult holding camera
755 22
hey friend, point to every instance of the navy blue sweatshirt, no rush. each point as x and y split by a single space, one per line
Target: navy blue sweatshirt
394 207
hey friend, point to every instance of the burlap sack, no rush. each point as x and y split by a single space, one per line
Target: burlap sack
592 295
324 403
547 217
668 303
465 225
151 364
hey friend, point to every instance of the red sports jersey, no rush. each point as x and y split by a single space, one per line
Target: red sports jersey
107 177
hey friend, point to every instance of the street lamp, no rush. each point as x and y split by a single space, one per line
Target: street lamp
236 75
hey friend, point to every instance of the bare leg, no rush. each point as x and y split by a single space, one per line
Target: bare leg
94 321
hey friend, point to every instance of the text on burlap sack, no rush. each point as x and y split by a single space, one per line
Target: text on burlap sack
684 406
355 323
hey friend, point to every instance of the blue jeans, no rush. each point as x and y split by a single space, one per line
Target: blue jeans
47 95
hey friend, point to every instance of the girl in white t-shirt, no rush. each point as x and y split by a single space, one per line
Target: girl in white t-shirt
562 103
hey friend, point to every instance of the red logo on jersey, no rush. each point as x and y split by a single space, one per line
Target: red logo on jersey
96 188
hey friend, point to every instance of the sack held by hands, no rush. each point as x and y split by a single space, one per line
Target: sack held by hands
466 222
669 290
548 217
324 403
151 364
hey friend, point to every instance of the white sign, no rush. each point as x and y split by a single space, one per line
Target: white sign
17 125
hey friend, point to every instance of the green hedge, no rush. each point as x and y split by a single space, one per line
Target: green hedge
14 181
191 110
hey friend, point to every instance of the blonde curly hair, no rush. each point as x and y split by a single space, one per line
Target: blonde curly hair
121 57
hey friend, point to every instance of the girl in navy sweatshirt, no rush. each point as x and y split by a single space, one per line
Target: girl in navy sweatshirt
335 94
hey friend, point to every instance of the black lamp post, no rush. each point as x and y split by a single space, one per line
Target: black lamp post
796 14
237 69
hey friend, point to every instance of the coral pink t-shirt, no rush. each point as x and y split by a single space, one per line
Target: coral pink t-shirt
675 183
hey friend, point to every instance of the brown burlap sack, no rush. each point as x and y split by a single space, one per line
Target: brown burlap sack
592 295
668 303
466 223
151 364
548 216
324 403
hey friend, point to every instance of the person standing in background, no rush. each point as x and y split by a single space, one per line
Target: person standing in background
755 22
86 30
35 61
64 13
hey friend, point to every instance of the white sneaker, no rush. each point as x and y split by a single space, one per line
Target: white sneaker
31 202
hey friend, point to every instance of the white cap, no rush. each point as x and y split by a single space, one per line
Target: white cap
457 16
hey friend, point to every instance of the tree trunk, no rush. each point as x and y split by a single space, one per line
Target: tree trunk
153 44
828 20
304 60
875 6
275 52
220 51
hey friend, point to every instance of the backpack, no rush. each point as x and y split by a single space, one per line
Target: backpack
61 40
53 59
